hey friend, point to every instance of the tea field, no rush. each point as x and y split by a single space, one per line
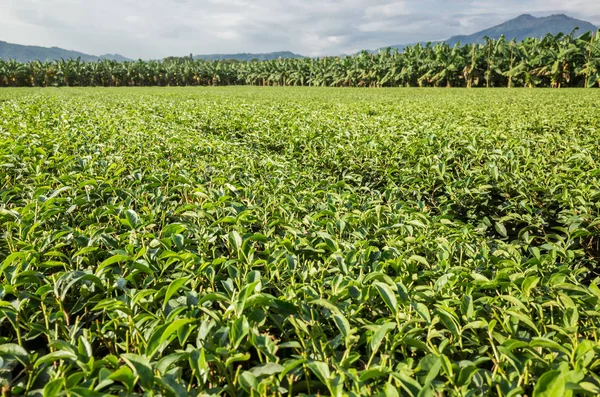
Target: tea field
299 241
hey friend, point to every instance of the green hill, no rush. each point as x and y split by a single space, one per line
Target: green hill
527 26
249 56
520 28
26 53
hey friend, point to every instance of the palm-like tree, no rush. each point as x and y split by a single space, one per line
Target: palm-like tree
590 70
561 55
526 63
561 60
447 63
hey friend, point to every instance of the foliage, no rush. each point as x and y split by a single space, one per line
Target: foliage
553 61
250 241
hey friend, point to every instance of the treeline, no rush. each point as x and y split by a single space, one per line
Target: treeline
551 61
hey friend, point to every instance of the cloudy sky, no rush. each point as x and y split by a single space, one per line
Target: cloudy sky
159 28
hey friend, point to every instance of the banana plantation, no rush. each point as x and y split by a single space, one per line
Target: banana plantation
551 61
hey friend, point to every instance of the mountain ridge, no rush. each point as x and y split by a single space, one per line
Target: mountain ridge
247 56
26 53
541 28
525 25
518 28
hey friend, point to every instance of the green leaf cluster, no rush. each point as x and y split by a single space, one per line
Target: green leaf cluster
299 241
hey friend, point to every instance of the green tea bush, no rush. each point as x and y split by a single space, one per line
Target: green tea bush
248 241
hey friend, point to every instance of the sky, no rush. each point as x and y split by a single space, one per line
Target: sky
159 28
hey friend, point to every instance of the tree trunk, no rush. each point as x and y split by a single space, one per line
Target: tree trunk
470 78
587 74
488 75
512 58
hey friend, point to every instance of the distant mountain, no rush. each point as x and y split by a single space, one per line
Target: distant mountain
525 26
115 57
520 28
401 47
249 57
26 53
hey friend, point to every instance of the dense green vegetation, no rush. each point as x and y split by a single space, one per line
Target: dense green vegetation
236 241
553 61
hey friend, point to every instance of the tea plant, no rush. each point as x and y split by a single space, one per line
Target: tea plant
247 241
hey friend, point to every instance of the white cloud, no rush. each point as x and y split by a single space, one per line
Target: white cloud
388 10
159 28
